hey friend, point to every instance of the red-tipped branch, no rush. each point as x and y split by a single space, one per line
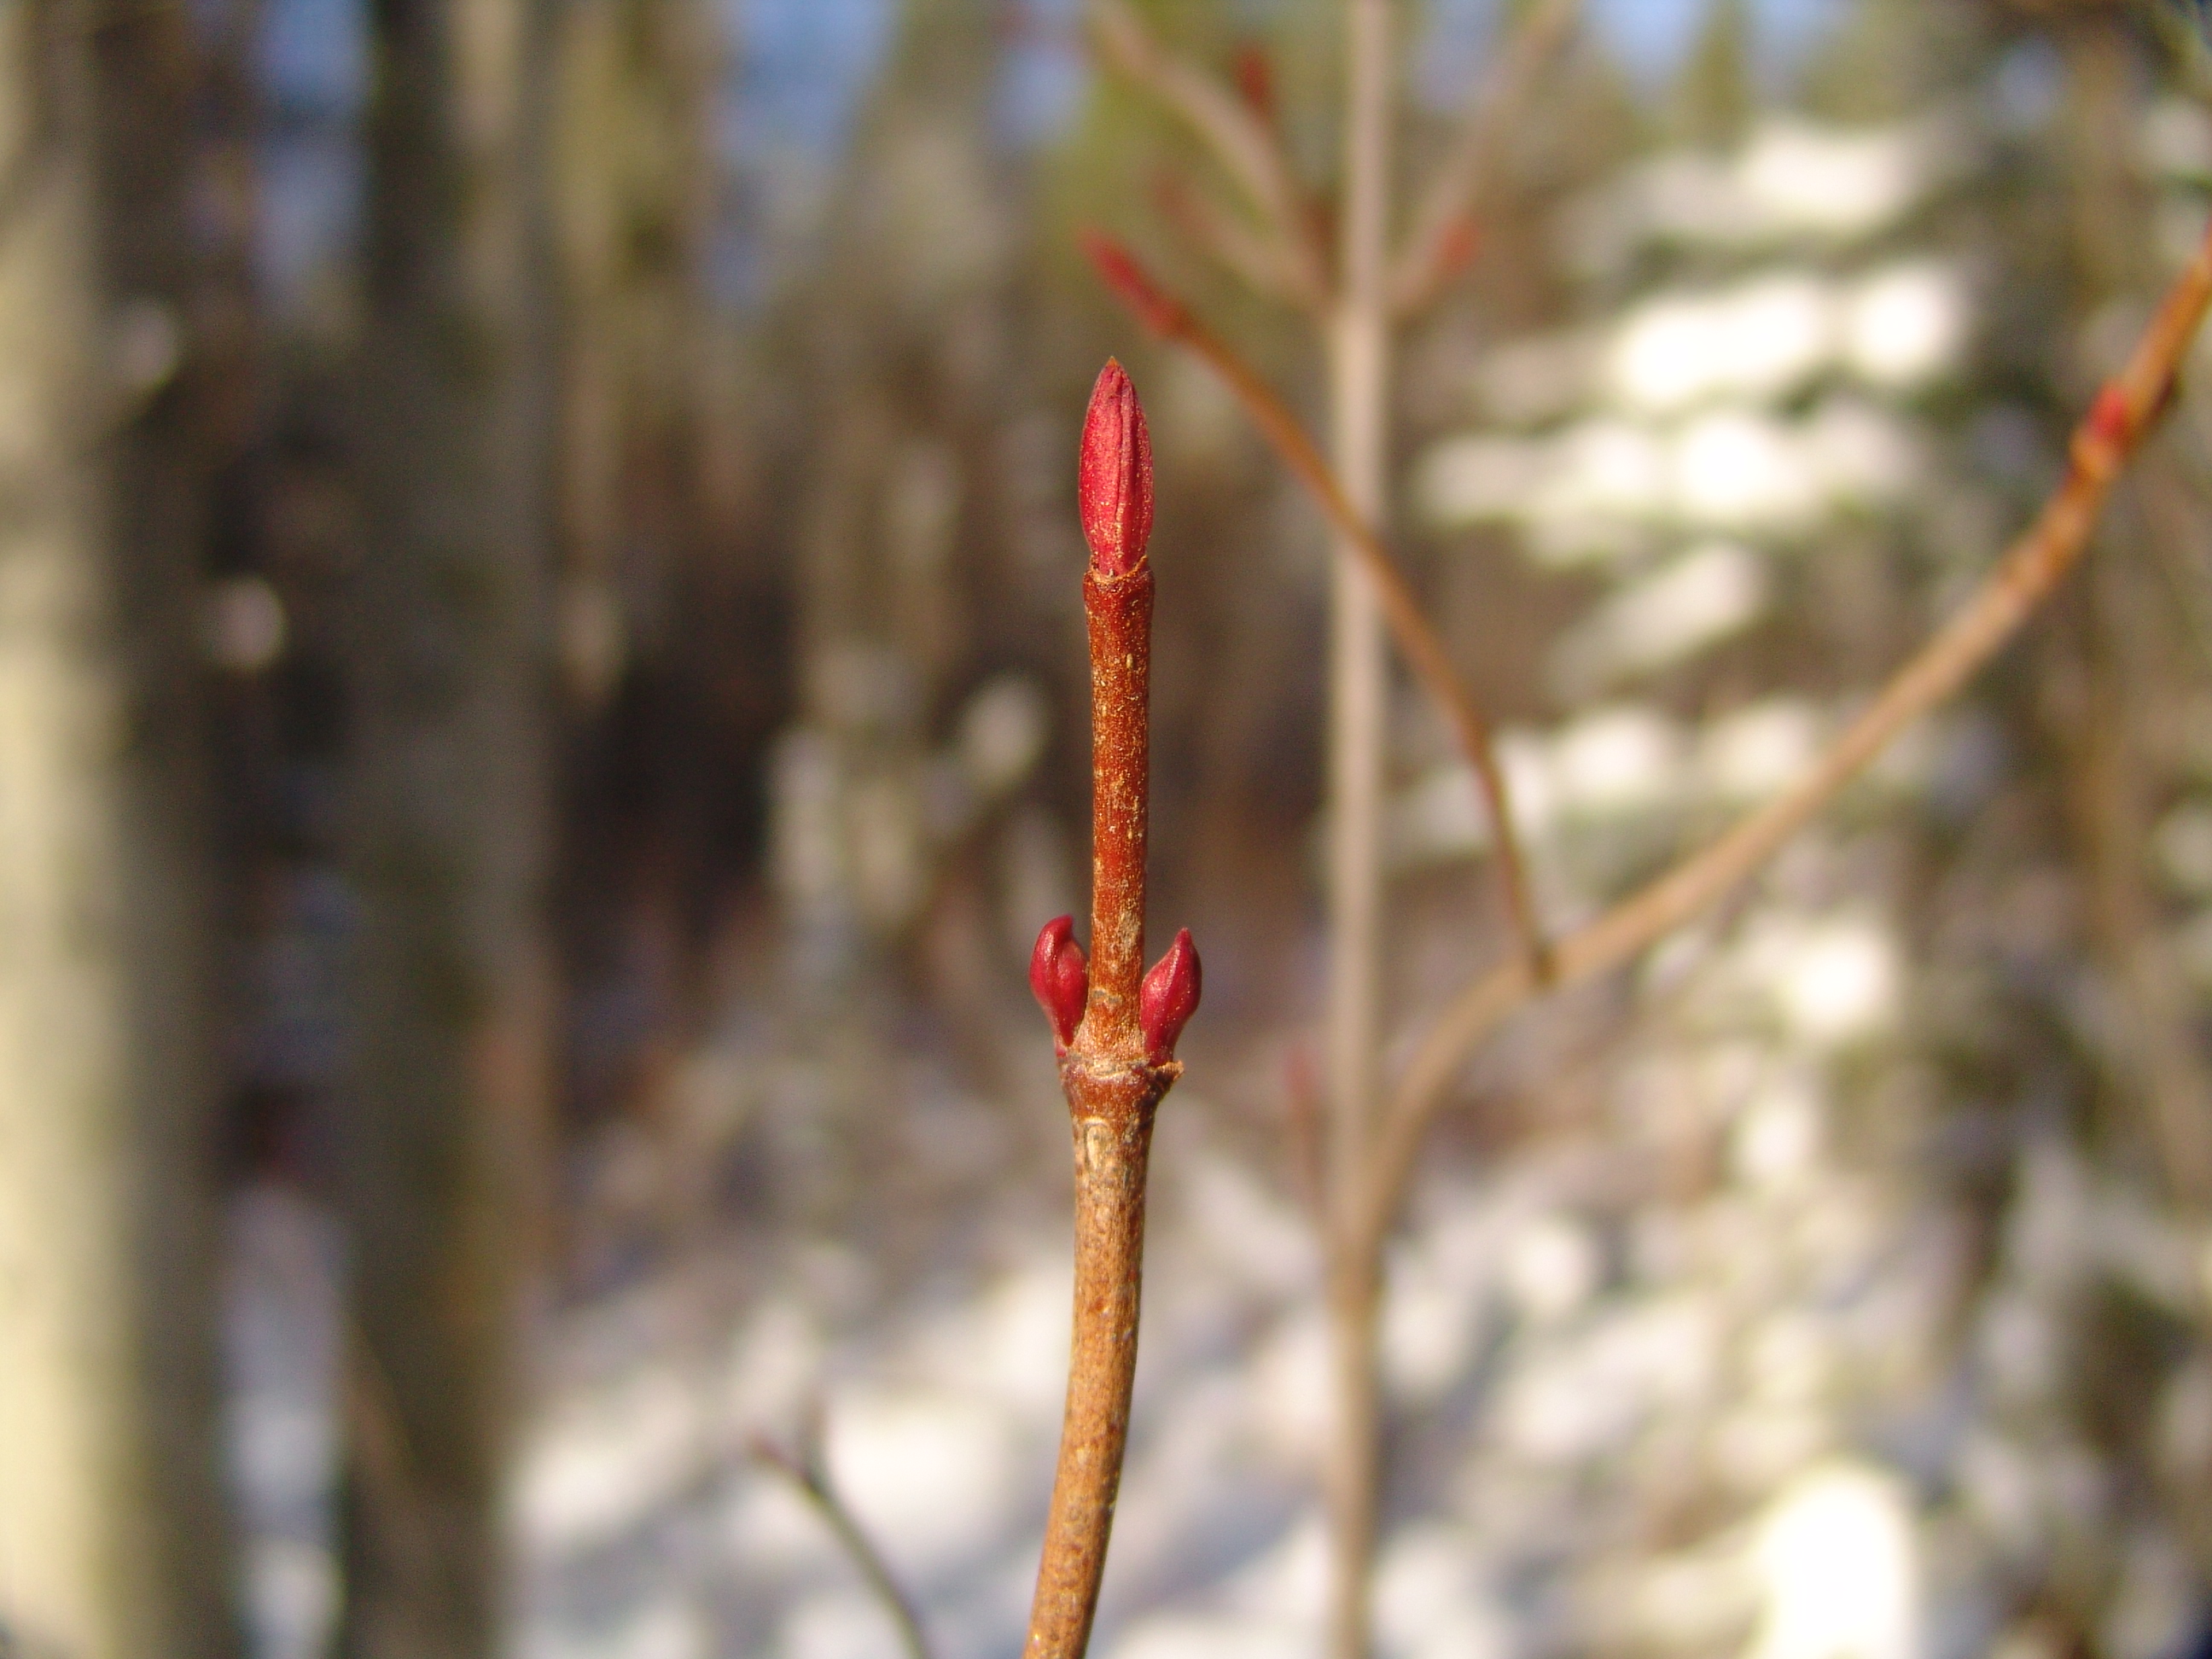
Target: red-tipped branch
1119 1061
2107 436
1240 137
1171 320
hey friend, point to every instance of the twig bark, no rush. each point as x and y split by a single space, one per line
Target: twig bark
1172 320
1444 223
803 1469
1234 131
2116 423
1118 1058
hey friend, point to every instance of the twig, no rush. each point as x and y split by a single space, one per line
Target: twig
1114 1032
1443 226
1239 138
805 1470
1250 256
2102 443
1172 320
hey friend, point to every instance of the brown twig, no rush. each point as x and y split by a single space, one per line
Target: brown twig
1253 258
1443 225
1234 130
805 1469
1172 320
1114 1025
2107 435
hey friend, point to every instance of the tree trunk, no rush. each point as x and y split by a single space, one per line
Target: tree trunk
112 1535
448 823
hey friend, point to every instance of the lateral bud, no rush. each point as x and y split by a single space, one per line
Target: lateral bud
1168 997
1060 978
1114 479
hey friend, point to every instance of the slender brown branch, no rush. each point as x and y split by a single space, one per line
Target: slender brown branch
1229 126
1424 653
1253 258
2102 444
1118 1059
806 1471
1444 224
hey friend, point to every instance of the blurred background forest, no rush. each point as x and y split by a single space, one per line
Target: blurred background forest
542 706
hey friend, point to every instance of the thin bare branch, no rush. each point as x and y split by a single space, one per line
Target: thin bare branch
1259 261
804 1470
2104 442
1424 653
1240 140
1443 230
1114 1025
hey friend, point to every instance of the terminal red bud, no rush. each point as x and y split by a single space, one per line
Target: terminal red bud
1059 977
1118 268
1169 998
1114 483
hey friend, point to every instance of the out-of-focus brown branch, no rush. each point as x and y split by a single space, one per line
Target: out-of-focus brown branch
1235 132
1256 260
2106 437
1443 230
805 1469
1172 320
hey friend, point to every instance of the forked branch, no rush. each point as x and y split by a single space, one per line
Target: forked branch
2127 408
1172 320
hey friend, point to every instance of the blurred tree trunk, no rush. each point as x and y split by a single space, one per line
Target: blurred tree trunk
448 826
112 1534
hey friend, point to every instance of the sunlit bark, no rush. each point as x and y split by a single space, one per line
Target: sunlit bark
111 1542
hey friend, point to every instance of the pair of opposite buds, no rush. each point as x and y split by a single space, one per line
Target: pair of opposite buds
1061 977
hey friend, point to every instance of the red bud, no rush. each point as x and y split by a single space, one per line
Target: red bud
1059 977
1114 477
1169 998
2109 419
1459 247
1119 269
1255 80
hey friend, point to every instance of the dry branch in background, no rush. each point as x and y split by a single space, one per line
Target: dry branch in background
1114 1025
2106 437
805 1470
